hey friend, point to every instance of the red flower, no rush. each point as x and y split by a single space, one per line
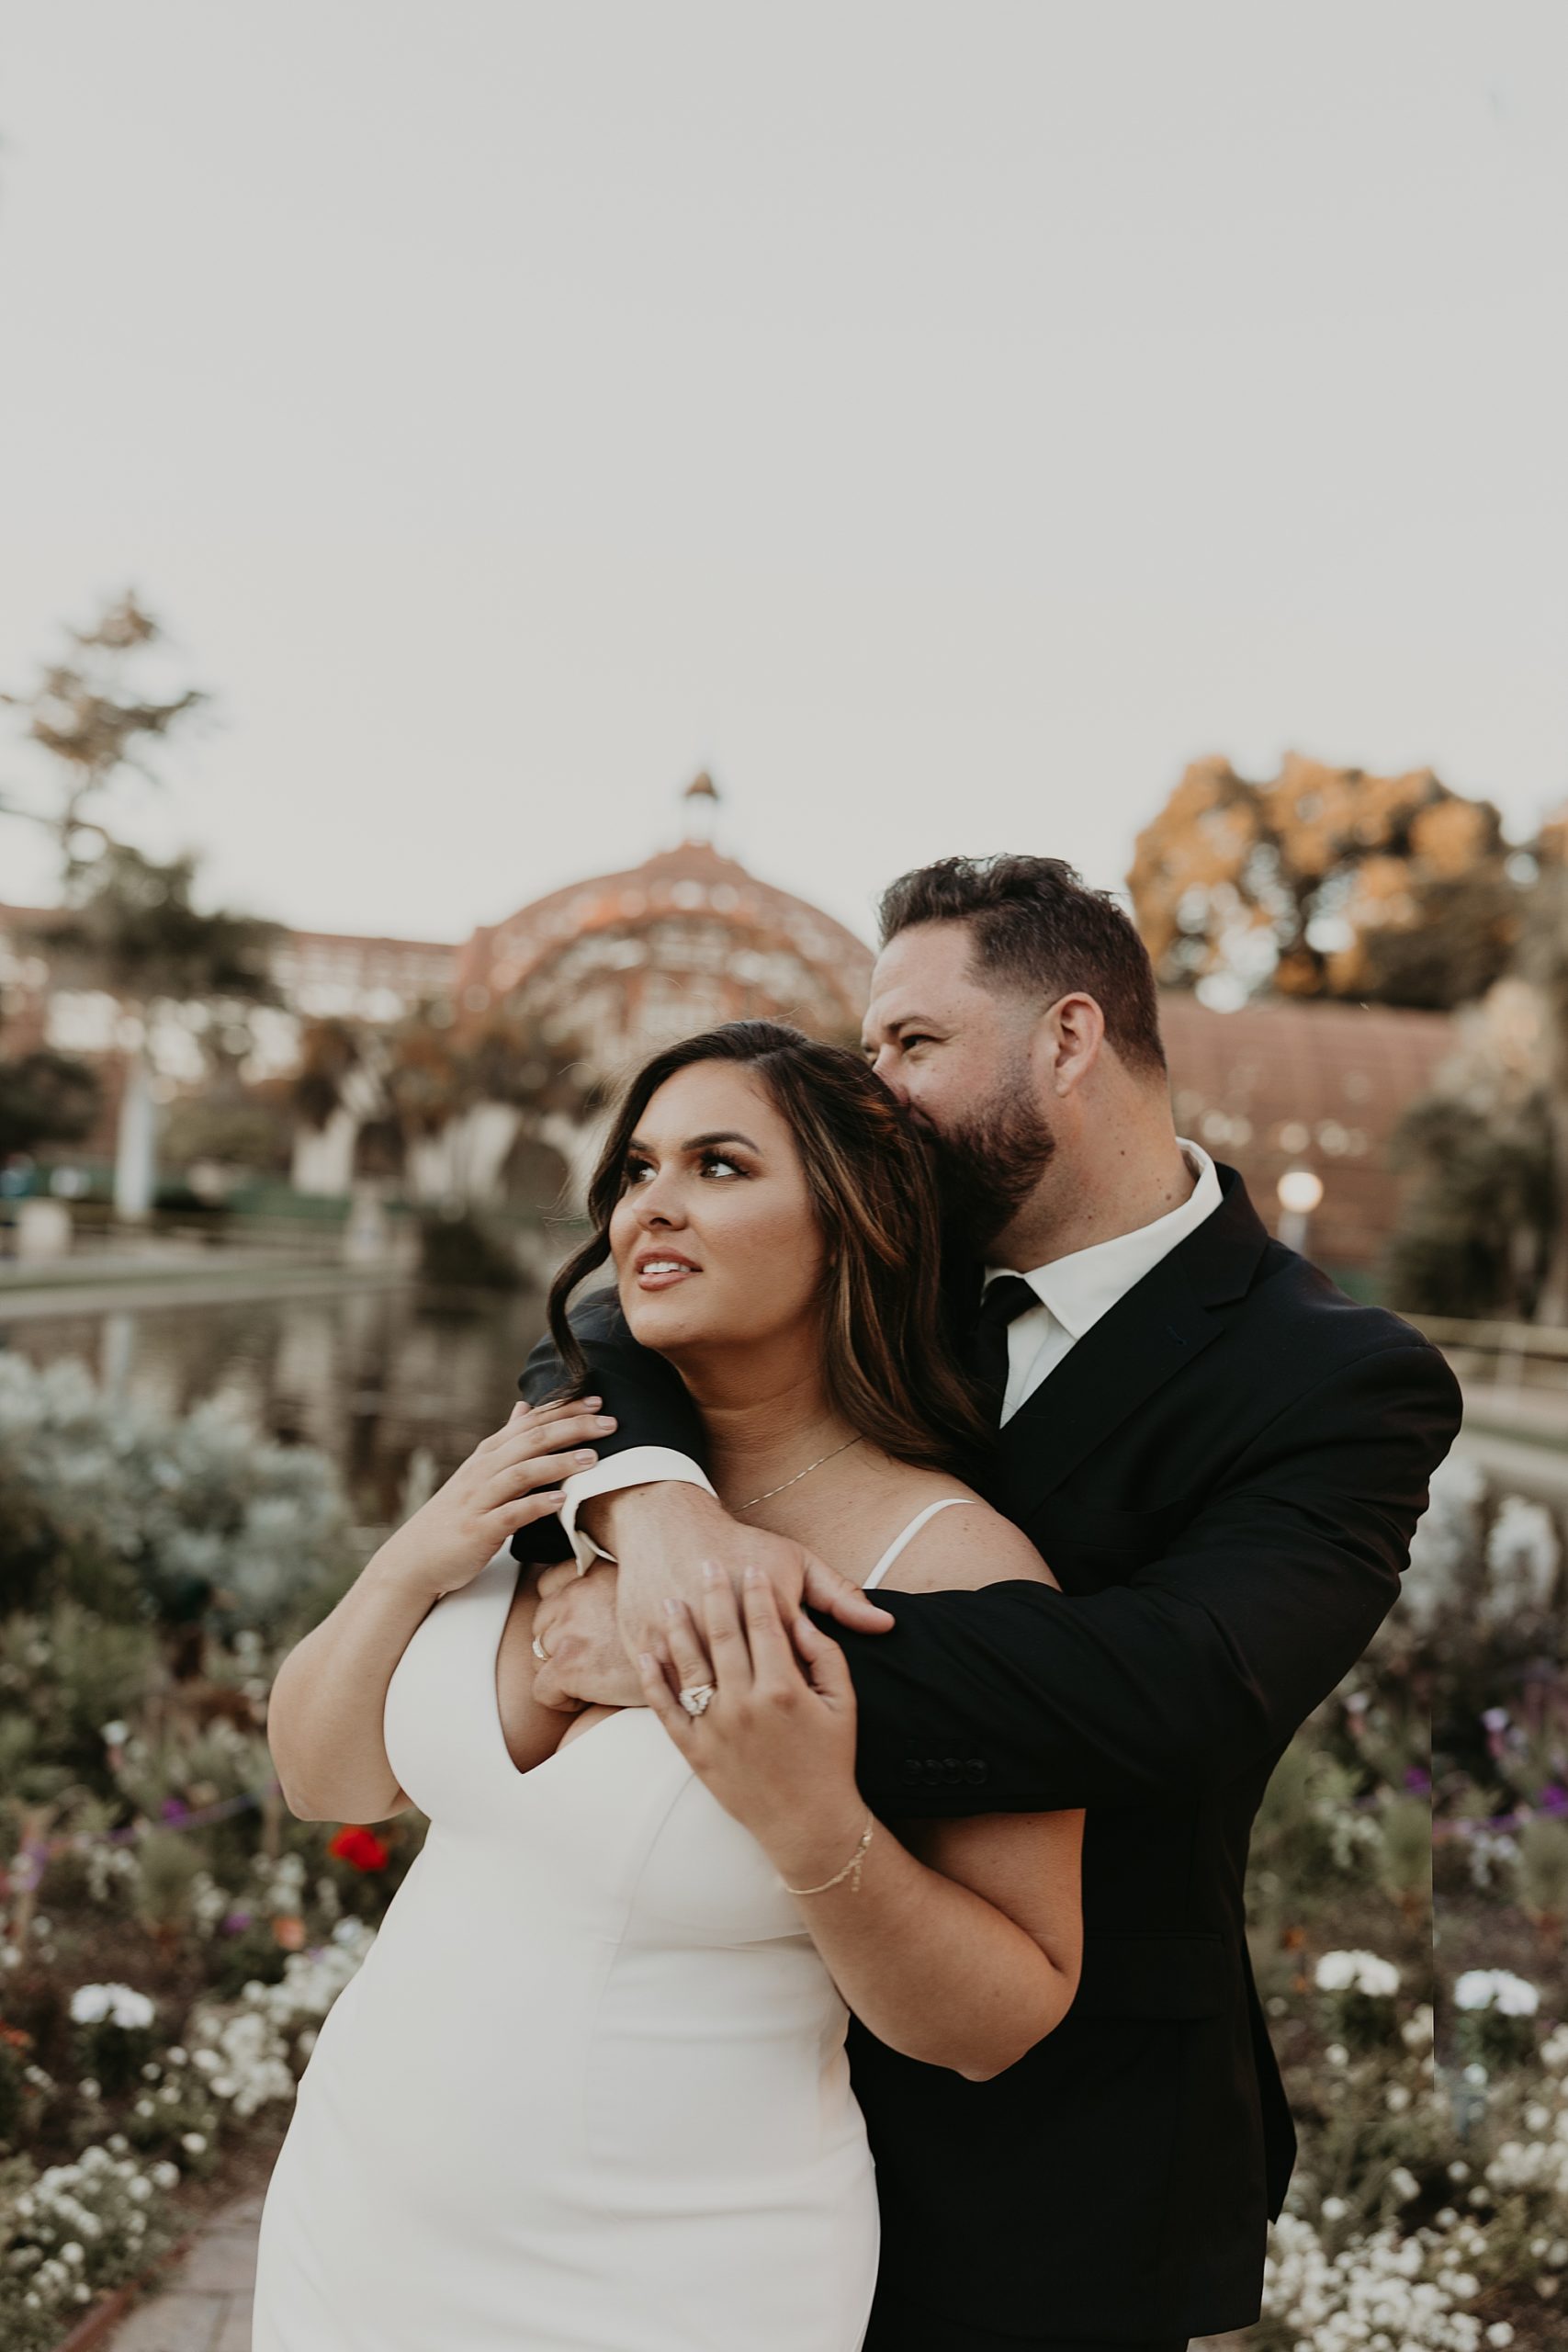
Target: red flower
360 1847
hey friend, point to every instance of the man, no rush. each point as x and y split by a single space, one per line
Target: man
1222 1459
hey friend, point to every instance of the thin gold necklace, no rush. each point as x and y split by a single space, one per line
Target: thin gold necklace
769 1492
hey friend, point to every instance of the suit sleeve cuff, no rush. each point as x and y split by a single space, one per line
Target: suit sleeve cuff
639 1465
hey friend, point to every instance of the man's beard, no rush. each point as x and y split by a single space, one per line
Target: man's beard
986 1167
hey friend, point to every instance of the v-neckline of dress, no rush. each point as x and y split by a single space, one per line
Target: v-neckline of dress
516 1771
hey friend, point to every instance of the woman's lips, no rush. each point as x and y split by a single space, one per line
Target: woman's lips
648 1279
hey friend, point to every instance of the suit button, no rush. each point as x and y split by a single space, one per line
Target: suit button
952 1772
910 1775
975 1771
932 1773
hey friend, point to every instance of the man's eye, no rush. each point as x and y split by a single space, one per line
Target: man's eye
916 1039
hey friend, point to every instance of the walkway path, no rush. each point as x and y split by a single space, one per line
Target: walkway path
206 2305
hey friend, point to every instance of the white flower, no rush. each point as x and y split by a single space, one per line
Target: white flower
1496 1988
1403 2184
1335 2208
1362 1972
92 2004
1499 2333
194 2142
114 1734
1398 2098
1554 2050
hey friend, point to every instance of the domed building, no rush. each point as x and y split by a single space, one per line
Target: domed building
618 966
601 973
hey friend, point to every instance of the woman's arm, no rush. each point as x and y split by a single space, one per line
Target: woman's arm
966 1963
324 1714
964 1952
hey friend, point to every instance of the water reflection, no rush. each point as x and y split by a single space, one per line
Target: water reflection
369 1375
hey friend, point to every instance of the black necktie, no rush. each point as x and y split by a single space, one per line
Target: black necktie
1007 1296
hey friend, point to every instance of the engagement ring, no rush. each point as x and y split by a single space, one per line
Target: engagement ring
697 1699
539 1649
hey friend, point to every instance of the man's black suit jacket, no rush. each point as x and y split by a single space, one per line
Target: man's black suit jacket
1225 1473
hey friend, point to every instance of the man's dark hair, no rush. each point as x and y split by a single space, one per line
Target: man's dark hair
1036 927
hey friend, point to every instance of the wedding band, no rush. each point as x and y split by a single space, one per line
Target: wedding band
696 1700
539 1649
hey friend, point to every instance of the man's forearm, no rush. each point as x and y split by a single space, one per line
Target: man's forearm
641 1492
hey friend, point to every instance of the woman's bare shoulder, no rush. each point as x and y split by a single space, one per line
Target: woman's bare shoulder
961 1549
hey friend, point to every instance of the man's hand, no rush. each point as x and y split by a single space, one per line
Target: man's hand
585 1660
663 1536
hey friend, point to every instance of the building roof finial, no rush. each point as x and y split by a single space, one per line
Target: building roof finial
700 799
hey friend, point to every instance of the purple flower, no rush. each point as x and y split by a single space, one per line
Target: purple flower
235 1921
1553 1798
173 1809
1417 1780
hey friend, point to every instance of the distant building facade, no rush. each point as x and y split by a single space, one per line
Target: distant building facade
1292 1083
624 963
610 969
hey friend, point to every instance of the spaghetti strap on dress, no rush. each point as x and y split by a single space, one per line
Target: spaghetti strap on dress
907 1533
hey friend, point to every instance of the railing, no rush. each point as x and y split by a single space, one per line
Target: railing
1549 1339
1515 1378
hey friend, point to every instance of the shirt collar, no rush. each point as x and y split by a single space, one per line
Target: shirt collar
1080 1289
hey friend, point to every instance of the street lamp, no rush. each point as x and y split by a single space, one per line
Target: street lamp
1300 1191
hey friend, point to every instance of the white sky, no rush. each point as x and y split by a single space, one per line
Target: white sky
941 421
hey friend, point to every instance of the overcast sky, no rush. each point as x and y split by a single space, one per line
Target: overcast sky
943 421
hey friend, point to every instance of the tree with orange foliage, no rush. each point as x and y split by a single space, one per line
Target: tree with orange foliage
1325 881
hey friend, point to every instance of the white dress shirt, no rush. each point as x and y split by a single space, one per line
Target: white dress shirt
1074 1292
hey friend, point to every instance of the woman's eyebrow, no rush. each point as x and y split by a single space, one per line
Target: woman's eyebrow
719 1135
700 1143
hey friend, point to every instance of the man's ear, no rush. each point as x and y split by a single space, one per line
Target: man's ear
1075 1028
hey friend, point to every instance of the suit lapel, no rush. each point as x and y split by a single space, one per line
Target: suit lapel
1162 1323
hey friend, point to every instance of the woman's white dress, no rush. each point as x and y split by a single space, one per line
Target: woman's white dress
588 2092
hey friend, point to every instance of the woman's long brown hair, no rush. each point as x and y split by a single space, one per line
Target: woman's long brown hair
888 1362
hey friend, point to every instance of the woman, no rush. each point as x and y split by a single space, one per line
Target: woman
589 2089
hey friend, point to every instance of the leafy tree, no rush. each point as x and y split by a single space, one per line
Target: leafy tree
1475 1238
1326 882
413 1080
1484 1230
1542 964
46 1097
82 710
130 925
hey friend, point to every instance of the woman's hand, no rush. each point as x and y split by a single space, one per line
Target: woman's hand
509 1481
777 1742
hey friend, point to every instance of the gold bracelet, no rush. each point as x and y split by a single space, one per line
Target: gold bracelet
856 1858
